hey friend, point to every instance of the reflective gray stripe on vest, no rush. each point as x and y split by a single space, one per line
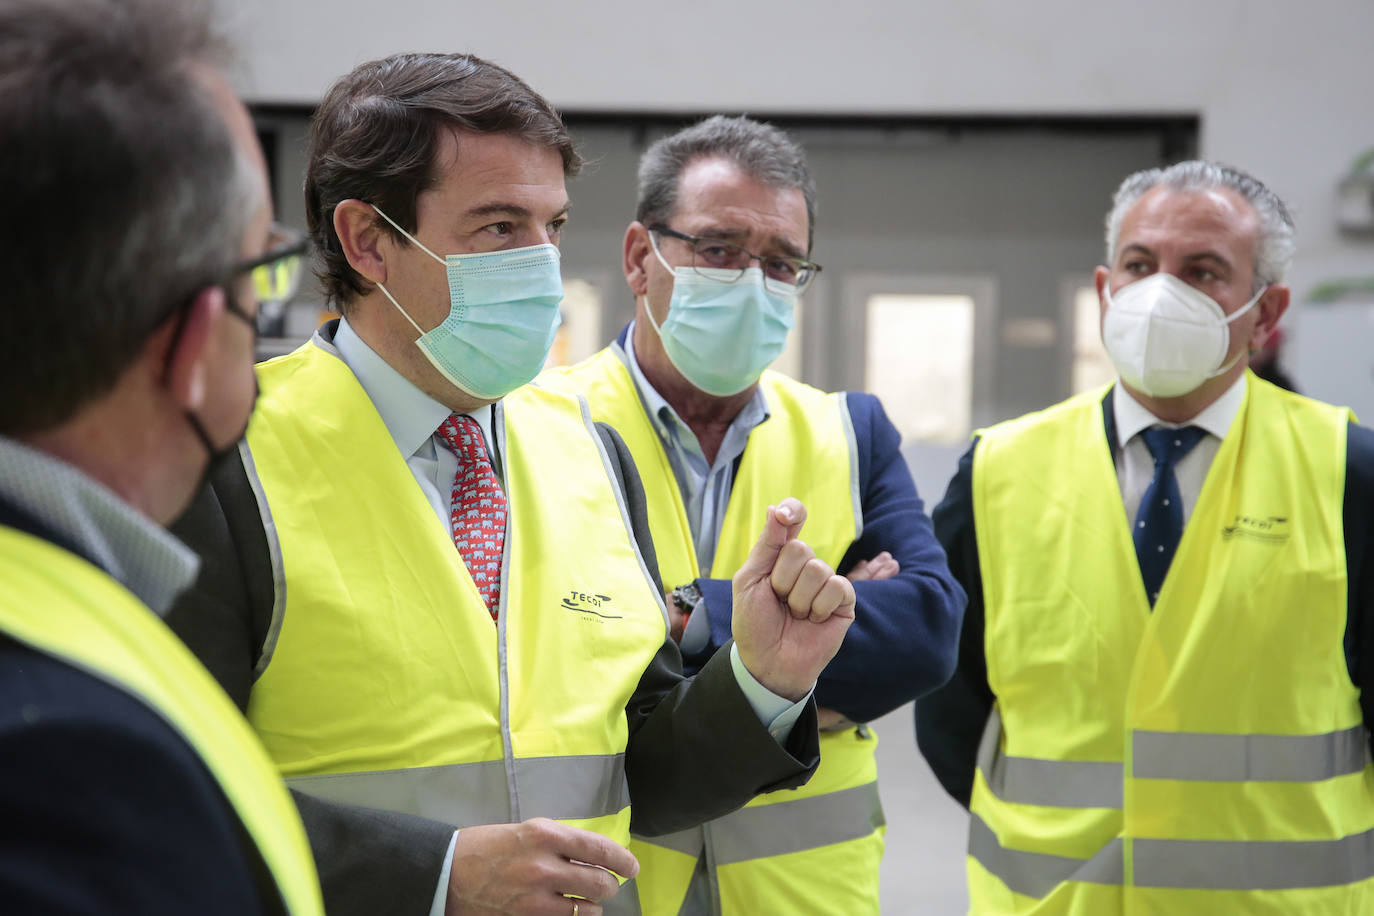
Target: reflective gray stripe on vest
1055 783
1254 865
1249 758
469 794
1188 756
688 842
624 903
1194 864
852 441
1035 874
791 826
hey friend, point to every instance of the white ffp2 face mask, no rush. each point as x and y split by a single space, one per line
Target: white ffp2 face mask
1166 338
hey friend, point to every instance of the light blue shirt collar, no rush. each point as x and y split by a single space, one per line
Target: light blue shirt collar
705 488
129 546
666 420
410 415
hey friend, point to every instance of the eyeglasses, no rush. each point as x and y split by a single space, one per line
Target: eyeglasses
276 275
795 274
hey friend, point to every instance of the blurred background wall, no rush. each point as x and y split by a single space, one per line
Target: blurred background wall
965 154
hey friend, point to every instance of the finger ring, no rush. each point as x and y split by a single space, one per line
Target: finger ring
574 908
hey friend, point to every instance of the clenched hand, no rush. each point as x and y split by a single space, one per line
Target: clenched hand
791 610
532 868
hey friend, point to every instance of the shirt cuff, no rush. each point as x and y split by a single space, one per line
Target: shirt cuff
441 892
778 714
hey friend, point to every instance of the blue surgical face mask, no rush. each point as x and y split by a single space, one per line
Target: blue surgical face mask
721 335
503 315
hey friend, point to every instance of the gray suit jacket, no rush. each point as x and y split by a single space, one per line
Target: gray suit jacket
696 749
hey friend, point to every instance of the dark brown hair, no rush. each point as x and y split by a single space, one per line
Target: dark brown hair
377 132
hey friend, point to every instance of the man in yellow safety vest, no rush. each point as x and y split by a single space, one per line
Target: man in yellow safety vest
431 586
717 257
1164 679
138 252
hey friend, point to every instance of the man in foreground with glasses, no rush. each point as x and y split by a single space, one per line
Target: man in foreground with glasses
716 259
431 586
128 781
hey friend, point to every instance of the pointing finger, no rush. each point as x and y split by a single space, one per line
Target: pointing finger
780 526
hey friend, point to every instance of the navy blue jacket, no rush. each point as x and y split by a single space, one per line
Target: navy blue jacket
104 808
903 639
949 722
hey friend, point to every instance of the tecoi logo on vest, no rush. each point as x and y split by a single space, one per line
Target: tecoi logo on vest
590 604
1272 529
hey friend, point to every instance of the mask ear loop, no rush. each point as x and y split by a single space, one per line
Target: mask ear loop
418 244
654 245
386 292
1232 317
648 311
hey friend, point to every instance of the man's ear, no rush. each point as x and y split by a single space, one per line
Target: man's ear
361 238
1101 277
187 347
634 257
1271 306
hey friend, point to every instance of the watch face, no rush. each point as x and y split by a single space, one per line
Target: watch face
687 597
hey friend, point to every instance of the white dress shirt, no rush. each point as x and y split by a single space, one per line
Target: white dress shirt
1135 466
412 418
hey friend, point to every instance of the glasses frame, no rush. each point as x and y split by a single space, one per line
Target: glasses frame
810 267
296 245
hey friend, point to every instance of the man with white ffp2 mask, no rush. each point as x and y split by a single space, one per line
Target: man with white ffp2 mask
1168 660
431 586
717 256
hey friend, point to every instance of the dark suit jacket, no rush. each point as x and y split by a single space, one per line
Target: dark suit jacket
949 721
906 628
104 808
694 754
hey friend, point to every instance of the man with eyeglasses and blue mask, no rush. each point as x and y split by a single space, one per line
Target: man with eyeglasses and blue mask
717 257
1167 668
129 783
432 586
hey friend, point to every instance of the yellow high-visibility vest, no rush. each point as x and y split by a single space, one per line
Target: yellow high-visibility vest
1205 757
59 604
387 683
815 849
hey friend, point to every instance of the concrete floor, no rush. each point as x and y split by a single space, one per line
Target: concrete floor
923 867
927 831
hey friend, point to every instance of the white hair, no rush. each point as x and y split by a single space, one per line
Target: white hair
1275 244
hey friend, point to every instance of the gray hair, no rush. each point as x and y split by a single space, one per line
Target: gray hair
1275 245
127 193
761 151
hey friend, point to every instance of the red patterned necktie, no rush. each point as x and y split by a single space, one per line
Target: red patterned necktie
478 516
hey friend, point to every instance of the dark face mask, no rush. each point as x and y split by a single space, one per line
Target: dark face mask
220 455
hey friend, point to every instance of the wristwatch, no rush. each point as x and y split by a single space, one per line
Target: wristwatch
687 597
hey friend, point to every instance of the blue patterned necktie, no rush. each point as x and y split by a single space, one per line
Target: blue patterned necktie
1159 521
